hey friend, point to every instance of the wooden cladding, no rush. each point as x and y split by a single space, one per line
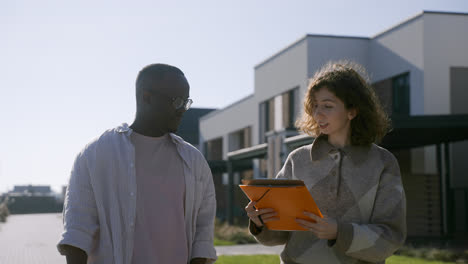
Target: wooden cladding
423 209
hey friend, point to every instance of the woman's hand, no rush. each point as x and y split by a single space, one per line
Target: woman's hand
323 228
261 216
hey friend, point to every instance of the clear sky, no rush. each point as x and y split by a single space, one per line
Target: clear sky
67 68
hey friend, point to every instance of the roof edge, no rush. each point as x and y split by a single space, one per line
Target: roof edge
290 46
398 25
281 51
414 17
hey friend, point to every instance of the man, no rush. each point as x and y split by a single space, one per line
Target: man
141 194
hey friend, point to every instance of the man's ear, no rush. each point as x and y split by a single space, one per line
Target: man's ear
146 97
352 113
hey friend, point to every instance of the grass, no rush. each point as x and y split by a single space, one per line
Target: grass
274 259
435 254
226 235
254 259
220 242
235 234
4 212
412 260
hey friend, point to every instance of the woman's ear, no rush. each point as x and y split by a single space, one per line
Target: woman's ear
352 113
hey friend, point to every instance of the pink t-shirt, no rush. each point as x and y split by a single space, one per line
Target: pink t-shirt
159 228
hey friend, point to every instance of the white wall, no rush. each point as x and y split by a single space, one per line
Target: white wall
222 122
322 49
284 71
445 45
397 51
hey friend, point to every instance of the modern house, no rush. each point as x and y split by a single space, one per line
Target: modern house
29 199
189 125
419 69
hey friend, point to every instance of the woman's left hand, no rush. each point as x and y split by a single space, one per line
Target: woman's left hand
323 228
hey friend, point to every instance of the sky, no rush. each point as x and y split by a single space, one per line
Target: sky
68 68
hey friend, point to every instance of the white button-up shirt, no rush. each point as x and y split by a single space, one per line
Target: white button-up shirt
100 209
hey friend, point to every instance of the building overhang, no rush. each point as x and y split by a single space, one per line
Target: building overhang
420 131
407 132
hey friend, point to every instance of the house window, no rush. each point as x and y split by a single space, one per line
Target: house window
214 149
394 94
401 95
278 113
288 105
240 139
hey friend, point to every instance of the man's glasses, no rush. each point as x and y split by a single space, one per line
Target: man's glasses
177 102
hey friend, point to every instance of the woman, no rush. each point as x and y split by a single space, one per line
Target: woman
355 183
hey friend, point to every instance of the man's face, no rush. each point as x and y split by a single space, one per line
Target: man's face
160 109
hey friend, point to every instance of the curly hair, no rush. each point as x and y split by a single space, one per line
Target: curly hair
349 82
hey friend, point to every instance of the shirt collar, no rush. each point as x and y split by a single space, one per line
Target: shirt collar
178 141
321 148
125 128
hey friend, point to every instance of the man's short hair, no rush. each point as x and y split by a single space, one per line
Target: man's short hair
154 72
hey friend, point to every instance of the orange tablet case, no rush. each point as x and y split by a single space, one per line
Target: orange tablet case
289 198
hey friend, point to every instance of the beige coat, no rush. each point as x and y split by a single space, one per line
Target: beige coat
358 186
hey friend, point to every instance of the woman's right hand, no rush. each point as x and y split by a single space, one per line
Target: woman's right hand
266 214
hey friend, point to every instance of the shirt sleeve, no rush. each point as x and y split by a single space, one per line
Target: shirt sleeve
202 245
386 232
79 211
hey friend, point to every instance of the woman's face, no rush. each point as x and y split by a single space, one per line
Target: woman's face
332 116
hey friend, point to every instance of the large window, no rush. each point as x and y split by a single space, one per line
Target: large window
240 139
278 113
394 93
401 95
214 149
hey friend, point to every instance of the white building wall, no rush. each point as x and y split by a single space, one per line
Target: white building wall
322 49
397 51
282 72
232 118
445 45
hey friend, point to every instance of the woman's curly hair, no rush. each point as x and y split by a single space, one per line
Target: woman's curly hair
349 82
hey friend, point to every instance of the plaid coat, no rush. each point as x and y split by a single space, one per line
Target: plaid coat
361 188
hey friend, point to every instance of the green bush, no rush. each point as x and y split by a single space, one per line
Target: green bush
434 254
235 234
4 212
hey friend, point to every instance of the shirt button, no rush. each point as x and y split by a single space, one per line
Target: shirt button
132 193
131 165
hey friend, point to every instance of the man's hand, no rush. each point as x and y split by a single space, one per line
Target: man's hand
323 228
75 255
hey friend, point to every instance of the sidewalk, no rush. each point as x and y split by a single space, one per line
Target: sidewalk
32 239
251 249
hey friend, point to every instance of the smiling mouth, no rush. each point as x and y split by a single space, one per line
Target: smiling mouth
323 125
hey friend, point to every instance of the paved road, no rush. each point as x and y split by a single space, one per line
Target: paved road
32 239
255 249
